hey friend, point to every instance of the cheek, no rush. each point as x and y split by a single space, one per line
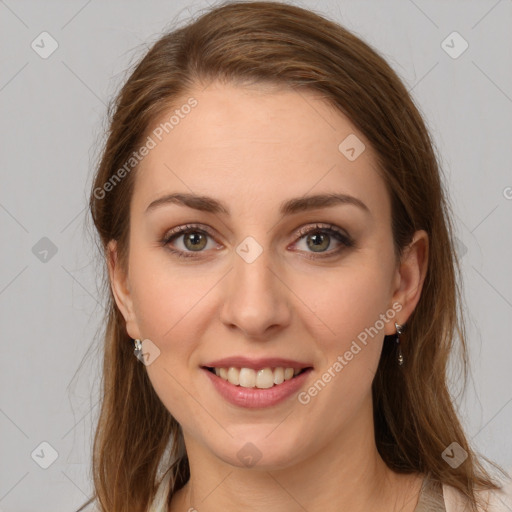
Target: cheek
348 330
169 306
344 301
165 297
348 306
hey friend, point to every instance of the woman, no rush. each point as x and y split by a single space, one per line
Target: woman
280 261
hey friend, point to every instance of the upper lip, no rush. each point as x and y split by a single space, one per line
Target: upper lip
257 363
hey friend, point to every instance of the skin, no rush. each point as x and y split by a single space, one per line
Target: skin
253 148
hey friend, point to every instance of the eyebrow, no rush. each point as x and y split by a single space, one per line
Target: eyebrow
288 207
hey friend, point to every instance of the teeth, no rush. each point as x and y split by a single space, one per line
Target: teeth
234 376
278 375
262 379
247 377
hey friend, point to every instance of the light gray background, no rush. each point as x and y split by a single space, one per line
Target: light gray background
52 117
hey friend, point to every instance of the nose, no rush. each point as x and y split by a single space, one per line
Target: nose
255 298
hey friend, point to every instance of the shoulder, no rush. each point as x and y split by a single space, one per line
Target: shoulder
494 501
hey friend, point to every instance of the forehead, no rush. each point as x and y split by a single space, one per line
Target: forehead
255 146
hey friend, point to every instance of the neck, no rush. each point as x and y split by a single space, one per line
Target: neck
345 474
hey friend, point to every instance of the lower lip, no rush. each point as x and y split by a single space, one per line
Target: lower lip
255 398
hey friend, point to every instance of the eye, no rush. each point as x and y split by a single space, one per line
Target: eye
194 240
319 238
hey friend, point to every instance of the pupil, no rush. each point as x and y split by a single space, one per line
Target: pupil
194 240
317 240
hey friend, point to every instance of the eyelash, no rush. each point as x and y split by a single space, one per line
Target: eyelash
328 229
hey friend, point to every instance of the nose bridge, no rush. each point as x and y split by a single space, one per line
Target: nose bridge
255 299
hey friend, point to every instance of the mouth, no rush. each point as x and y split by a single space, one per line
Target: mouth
263 378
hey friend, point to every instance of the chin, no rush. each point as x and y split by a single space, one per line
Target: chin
260 451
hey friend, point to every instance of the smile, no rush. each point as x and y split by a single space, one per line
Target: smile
263 378
254 397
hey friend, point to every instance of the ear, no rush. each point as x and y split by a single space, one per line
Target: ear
121 290
409 278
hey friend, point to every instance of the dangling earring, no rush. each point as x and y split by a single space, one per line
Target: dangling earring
399 330
138 348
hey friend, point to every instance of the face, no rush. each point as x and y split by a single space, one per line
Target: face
315 283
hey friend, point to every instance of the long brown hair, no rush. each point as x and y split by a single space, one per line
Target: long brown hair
284 45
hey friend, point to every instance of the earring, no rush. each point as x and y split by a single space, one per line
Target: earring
138 348
399 330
